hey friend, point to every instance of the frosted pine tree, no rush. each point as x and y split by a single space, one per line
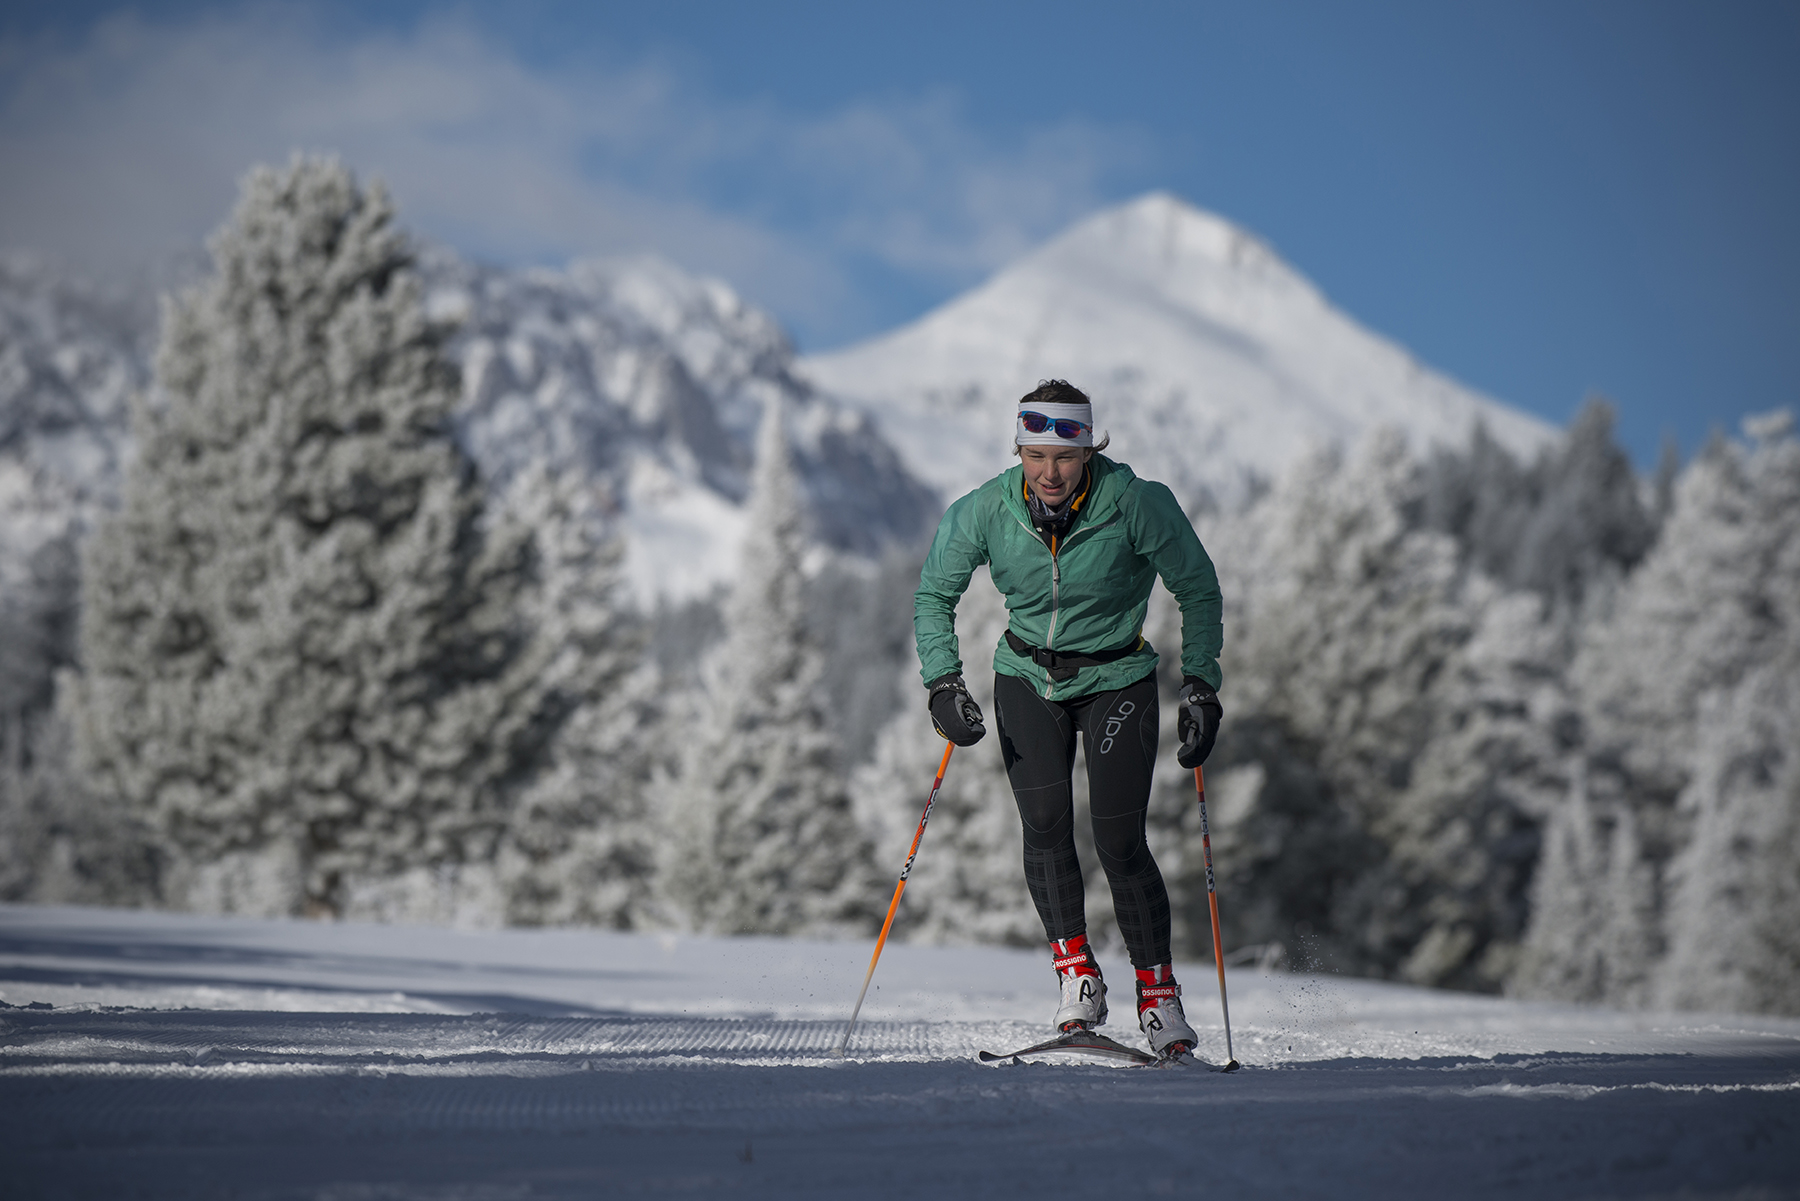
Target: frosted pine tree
1389 744
968 884
1355 614
578 845
1690 716
1700 612
58 841
1732 904
1593 933
759 837
303 656
1569 525
1772 976
1561 958
1725 894
1463 827
1340 616
1589 524
39 529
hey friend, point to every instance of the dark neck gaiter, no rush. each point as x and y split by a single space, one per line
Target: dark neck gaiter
1056 521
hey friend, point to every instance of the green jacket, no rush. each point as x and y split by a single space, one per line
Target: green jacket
1089 597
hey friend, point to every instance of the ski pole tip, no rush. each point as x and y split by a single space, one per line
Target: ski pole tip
1231 1066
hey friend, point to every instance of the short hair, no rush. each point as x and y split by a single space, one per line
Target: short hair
1060 392
1055 392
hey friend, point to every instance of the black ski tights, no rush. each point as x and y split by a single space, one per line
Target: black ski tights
1118 731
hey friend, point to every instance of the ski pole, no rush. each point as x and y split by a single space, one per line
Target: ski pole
894 905
1212 902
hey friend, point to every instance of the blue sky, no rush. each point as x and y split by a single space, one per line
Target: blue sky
1542 199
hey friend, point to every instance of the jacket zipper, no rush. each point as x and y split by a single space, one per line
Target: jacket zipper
1056 579
1055 587
1055 593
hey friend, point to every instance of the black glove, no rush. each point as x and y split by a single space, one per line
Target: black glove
1197 721
954 712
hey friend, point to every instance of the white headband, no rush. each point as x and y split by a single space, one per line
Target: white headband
1049 437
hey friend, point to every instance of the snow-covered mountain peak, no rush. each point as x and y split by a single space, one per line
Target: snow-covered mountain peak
1162 242
1211 360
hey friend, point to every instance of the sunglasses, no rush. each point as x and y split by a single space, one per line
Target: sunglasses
1066 427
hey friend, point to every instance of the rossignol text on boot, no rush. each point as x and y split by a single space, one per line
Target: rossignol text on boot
1159 1012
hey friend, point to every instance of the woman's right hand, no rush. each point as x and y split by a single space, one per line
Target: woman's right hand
1197 721
954 712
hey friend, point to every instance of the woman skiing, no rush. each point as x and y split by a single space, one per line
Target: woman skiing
1074 541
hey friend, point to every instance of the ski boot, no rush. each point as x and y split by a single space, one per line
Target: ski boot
1159 1013
1083 991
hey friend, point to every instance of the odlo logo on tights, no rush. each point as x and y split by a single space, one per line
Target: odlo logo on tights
1115 721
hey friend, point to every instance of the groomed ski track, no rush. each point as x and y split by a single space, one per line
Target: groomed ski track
289 1083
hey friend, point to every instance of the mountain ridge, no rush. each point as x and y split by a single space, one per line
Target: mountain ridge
639 379
650 383
1212 360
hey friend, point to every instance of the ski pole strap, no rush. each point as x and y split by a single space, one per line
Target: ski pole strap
1064 666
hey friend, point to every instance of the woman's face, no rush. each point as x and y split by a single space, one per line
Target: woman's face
1053 471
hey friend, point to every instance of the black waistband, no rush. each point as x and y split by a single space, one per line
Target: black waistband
1062 666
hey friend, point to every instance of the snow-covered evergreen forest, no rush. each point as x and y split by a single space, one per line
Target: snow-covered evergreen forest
361 582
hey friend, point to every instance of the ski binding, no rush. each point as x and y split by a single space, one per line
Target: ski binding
1078 1042
1087 1042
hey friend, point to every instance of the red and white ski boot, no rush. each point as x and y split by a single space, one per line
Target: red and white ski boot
1159 1012
1083 991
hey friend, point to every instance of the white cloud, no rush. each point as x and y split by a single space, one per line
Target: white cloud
127 142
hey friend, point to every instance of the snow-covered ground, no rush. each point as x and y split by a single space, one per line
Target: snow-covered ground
166 1055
